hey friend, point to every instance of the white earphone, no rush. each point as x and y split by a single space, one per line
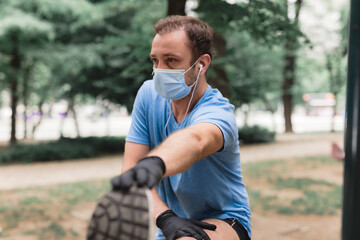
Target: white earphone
201 66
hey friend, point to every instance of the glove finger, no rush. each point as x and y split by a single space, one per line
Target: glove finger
123 181
204 225
141 176
152 181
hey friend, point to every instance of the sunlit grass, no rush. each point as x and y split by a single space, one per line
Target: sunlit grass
42 212
271 187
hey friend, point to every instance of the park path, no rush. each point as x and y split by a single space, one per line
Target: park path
42 174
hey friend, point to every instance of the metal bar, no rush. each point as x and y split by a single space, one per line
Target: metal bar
351 192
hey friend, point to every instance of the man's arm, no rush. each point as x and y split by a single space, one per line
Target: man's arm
178 152
132 154
185 147
174 155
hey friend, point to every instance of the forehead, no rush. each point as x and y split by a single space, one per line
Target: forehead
175 42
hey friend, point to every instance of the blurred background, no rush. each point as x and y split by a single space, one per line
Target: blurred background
72 68
70 71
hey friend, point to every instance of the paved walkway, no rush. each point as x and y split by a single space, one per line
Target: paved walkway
41 174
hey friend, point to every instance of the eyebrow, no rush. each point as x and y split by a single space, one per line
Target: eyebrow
166 55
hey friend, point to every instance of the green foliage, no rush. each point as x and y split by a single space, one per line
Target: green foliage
254 70
64 148
27 29
266 21
256 134
93 48
126 53
254 32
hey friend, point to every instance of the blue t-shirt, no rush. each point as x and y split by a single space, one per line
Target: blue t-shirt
212 187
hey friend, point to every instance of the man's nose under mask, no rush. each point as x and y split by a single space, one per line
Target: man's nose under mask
170 83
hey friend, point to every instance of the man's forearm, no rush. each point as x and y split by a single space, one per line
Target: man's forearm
159 205
183 148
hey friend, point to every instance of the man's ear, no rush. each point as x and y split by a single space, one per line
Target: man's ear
204 63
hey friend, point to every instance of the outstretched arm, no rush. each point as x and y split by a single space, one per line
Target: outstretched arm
174 155
185 147
132 154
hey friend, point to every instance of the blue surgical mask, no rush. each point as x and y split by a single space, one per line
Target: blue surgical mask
170 83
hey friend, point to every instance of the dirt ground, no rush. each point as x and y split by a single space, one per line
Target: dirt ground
265 226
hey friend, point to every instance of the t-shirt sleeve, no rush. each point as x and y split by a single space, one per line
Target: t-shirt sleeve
222 116
139 128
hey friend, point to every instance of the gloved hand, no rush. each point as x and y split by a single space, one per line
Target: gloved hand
174 227
147 172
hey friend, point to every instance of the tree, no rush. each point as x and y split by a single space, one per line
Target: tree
125 52
266 24
19 32
336 64
254 72
176 7
98 48
291 41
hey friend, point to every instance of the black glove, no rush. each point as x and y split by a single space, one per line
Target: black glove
174 227
147 172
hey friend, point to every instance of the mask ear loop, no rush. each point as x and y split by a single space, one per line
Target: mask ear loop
193 66
192 95
193 91
170 111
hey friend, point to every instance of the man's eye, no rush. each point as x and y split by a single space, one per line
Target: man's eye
153 60
171 60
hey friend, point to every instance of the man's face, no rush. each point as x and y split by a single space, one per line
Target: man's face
172 51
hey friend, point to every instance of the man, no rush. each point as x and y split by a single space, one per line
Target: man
183 141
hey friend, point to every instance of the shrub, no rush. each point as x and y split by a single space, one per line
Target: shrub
64 148
255 134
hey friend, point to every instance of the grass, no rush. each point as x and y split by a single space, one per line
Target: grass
272 188
48 212
45 212
52 231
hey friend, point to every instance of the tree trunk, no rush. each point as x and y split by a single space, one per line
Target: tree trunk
72 109
36 125
220 80
246 111
335 82
334 113
62 120
15 65
176 7
289 79
289 72
25 96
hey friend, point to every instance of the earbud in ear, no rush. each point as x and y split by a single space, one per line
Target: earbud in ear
201 66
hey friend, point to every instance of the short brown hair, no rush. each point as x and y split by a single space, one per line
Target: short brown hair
198 32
